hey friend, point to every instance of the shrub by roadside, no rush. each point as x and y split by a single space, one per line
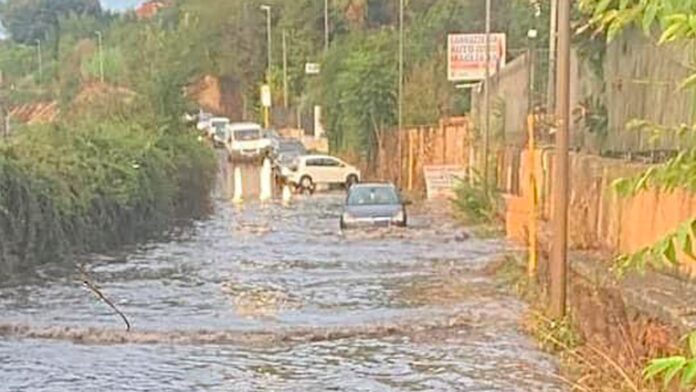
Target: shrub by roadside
85 186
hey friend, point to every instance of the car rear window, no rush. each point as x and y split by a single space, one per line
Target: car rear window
244 135
379 195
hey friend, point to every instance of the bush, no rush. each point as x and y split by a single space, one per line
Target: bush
71 188
474 204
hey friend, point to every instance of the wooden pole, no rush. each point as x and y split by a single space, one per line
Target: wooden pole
560 245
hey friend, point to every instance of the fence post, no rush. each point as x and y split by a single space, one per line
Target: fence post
532 262
410 159
444 144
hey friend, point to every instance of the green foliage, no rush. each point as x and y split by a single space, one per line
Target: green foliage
663 254
678 172
358 87
675 18
118 166
676 21
555 335
15 60
474 204
676 368
88 186
31 20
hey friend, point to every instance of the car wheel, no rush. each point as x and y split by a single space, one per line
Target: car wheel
351 180
307 184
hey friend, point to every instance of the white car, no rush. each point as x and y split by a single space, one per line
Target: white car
203 121
248 140
309 170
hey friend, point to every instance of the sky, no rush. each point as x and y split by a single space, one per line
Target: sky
120 5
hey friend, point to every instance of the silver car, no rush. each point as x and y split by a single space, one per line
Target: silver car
373 205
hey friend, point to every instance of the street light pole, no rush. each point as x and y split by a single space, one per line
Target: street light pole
326 25
269 42
285 70
558 266
101 56
38 48
487 98
266 112
551 92
401 88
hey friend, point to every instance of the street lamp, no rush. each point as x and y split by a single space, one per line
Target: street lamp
401 89
101 56
267 9
38 49
266 109
326 25
487 97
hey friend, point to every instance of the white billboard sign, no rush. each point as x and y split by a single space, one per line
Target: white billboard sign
440 180
466 56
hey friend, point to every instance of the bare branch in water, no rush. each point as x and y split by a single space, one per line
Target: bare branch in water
86 279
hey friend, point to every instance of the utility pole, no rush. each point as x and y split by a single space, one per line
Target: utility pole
269 41
266 109
101 56
401 88
38 48
326 25
285 70
551 92
487 98
559 257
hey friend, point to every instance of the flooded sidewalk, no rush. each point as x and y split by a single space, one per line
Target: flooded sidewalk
269 297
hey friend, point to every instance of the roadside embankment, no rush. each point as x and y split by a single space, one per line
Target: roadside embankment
83 186
615 325
607 339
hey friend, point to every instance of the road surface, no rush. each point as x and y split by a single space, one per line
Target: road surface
275 298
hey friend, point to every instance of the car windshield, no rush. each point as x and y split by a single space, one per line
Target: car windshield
291 148
247 134
372 195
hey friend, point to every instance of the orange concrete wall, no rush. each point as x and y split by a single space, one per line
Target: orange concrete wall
598 218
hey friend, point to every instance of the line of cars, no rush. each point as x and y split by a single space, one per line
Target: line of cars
366 204
300 169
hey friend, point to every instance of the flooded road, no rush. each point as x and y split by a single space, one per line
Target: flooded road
275 298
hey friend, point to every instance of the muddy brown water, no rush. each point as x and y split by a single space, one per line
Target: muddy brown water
275 298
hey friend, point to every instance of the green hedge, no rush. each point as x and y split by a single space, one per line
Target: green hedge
66 189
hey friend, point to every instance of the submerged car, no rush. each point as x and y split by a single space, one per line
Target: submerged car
373 204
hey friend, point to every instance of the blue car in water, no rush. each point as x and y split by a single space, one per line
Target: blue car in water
373 205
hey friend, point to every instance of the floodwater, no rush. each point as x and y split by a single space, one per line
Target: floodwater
275 298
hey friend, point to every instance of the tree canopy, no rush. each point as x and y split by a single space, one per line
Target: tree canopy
31 20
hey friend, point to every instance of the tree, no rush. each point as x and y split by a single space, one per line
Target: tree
31 20
358 88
